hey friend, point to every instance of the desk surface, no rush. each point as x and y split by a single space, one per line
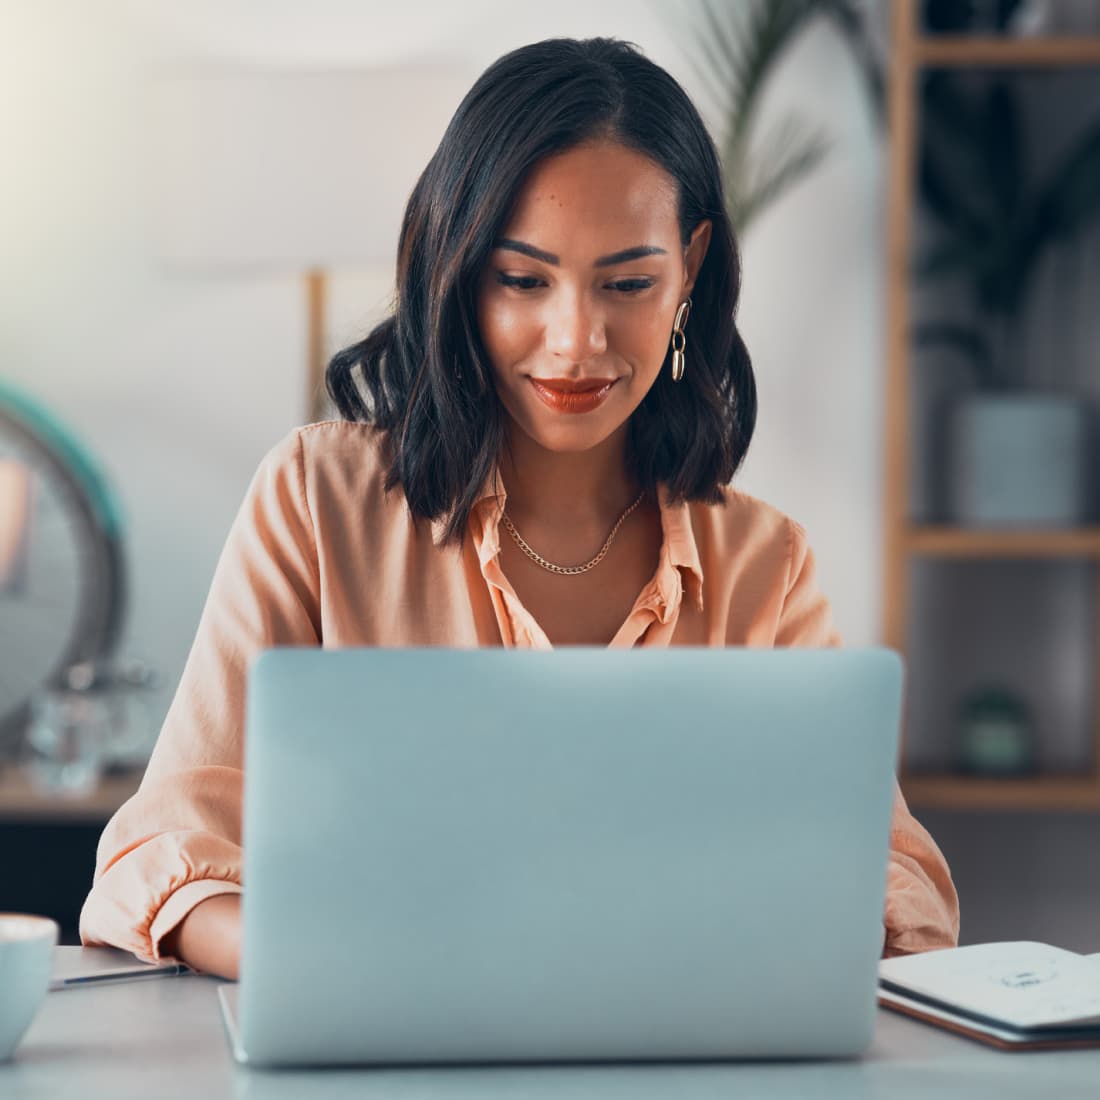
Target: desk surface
163 1037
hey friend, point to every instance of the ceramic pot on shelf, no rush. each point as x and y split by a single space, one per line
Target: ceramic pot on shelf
1020 458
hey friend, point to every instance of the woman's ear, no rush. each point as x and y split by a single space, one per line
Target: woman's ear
694 254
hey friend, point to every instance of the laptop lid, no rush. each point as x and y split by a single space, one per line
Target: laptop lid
512 855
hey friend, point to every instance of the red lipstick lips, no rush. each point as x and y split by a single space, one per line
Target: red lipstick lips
573 396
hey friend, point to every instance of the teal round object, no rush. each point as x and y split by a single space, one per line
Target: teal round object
63 578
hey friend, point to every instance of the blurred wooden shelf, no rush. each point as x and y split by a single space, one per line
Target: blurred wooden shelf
959 542
1003 52
904 541
22 803
1038 793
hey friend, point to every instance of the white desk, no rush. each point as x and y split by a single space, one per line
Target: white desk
163 1038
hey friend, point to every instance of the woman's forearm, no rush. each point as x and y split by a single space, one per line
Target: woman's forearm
208 939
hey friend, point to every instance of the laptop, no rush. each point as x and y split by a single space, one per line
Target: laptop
492 855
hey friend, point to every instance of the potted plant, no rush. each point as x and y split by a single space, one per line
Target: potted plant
738 46
1018 455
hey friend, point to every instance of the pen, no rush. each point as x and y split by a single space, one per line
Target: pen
122 974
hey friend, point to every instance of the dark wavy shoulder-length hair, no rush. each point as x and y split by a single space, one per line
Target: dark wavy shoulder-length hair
423 375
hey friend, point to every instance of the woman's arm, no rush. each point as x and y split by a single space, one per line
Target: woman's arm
922 907
208 939
175 846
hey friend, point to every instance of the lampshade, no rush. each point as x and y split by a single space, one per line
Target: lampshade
288 169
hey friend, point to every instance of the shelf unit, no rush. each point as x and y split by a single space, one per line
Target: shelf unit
904 542
23 804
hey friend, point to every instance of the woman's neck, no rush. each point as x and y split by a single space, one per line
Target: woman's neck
555 489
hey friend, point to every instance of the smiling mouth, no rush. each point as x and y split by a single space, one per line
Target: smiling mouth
569 396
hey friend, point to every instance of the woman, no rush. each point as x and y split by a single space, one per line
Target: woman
536 449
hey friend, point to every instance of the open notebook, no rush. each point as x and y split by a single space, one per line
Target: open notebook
1016 996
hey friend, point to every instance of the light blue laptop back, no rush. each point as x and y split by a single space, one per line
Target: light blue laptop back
487 855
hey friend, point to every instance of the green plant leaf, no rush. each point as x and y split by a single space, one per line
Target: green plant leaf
940 190
953 168
1002 145
849 19
1004 11
945 103
952 255
755 39
1067 201
965 339
719 65
740 45
1070 198
787 153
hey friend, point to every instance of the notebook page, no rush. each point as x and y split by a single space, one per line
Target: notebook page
1022 984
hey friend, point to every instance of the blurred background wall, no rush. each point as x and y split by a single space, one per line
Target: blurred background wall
180 383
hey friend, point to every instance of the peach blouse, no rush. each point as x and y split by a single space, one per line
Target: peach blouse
320 554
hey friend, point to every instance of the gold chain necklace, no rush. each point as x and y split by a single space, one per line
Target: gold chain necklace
569 570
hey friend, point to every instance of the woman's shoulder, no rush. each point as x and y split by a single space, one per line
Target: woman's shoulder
746 523
331 447
758 562
334 461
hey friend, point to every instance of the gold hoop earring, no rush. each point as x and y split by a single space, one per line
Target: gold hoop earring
679 341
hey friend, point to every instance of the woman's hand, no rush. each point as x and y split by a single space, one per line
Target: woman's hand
208 939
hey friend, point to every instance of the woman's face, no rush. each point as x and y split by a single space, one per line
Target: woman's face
577 299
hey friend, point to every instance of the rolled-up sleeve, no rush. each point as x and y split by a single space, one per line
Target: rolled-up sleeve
922 906
177 841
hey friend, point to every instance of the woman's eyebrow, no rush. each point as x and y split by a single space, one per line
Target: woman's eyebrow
628 254
528 250
625 256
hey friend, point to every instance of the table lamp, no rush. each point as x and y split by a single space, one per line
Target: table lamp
295 171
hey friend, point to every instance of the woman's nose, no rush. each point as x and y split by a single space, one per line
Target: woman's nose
575 329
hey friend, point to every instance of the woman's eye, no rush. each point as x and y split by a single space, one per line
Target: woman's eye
518 282
630 286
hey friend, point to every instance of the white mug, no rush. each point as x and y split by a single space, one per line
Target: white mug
26 962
